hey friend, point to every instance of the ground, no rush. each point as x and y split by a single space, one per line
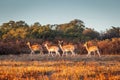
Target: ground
44 67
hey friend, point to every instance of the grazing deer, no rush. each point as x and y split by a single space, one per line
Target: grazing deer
67 48
52 49
91 49
35 47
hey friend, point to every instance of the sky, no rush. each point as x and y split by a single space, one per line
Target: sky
96 14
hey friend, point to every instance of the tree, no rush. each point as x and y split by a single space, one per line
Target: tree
111 33
21 24
72 30
18 33
91 33
70 25
114 32
14 30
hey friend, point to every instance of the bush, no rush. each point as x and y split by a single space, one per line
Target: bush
110 46
9 48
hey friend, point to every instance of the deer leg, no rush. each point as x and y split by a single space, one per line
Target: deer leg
89 54
73 53
58 53
94 52
41 52
98 53
66 53
51 53
32 52
63 53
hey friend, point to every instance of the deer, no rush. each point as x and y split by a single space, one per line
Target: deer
91 49
66 48
35 47
52 49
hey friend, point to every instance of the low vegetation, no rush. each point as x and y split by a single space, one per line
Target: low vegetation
26 67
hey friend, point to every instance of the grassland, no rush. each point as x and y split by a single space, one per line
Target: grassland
43 67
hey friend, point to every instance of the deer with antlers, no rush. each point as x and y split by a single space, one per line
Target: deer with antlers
91 49
35 47
52 49
67 48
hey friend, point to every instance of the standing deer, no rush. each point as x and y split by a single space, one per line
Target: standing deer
91 49
67 48
35 47
52 49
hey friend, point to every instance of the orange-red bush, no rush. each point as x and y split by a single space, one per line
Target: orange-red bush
110 46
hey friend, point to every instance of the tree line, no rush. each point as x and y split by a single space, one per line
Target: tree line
74 30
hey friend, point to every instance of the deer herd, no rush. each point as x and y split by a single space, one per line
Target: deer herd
65 48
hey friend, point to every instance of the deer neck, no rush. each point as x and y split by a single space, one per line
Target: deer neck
47 47
87 47
29 45
61 47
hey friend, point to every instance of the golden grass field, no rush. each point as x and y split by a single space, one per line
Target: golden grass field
44 67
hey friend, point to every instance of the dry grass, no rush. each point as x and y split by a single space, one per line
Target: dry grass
43 67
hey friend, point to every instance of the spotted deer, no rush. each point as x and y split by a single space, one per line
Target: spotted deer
35 47
91 49
52 49
66 48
